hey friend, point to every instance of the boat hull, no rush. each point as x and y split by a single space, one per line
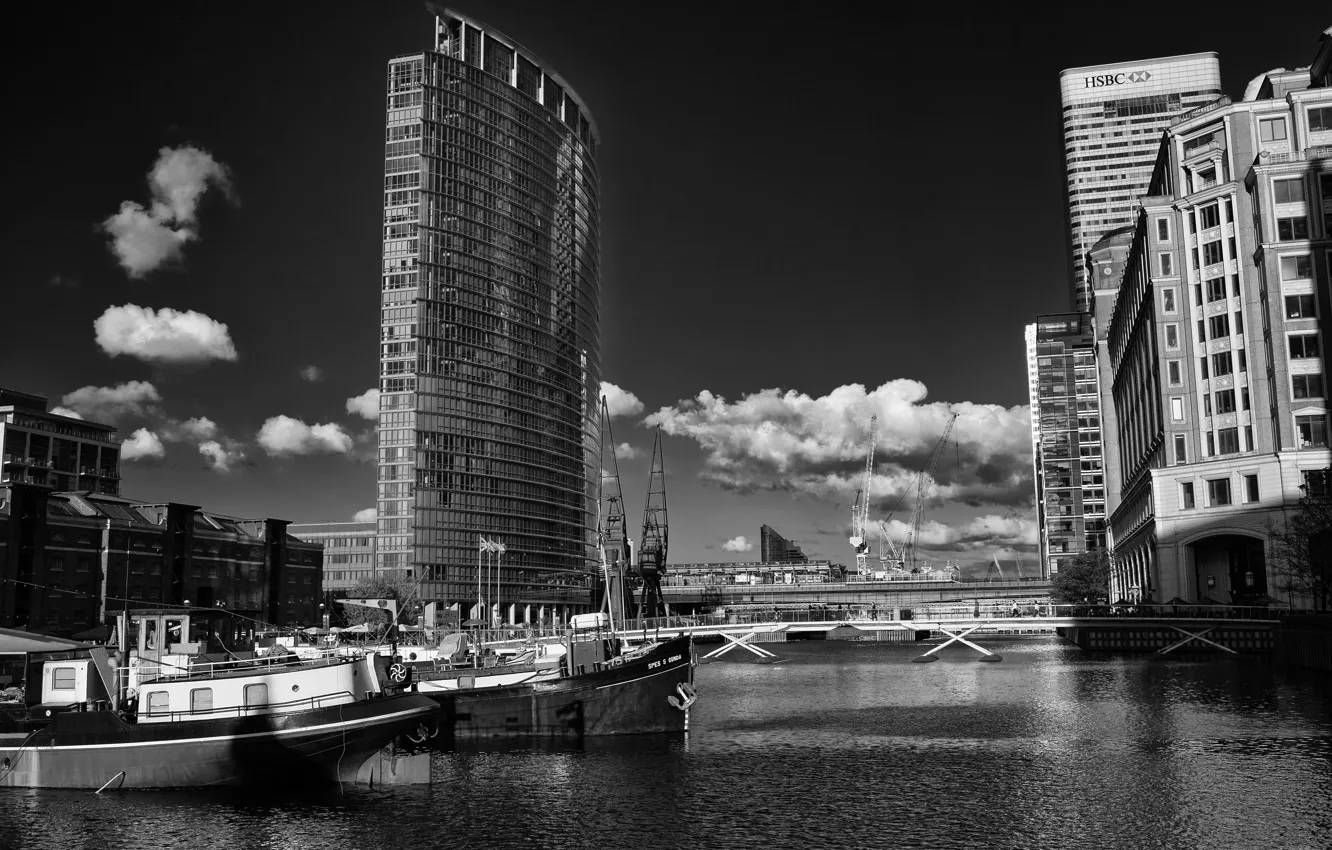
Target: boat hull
650 694
96 749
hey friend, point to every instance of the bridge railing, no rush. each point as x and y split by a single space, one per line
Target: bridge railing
953 611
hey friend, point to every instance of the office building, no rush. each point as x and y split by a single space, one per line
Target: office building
489 355
1113 116
1066 429
349 554
69 561
776 549
1217 346
50 450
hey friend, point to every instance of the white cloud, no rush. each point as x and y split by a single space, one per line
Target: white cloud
366 404
365 515
65 411
191 430
791 442
108 404
624 451
738 544
282 435
163 336
980 534
143 239
312 373
142 444
620 402
222 458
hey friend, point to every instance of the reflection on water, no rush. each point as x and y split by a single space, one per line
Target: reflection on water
846 744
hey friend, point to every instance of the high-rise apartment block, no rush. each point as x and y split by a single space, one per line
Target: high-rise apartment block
1113 116
349 554
1066 430
776 549
1217 345
489 354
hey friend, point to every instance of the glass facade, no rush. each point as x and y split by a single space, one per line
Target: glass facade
1113 116
1066 421
489 350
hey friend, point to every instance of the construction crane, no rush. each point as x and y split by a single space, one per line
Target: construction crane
652 551
612 529
923 478
860 510
890 554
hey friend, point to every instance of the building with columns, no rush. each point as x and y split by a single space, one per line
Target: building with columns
1216 346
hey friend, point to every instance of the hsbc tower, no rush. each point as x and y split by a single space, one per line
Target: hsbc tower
1113 116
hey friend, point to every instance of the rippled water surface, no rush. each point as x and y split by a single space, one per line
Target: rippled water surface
843 745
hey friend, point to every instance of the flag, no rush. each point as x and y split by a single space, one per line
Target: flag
488 545
499 547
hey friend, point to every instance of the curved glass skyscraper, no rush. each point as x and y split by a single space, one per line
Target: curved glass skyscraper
490 366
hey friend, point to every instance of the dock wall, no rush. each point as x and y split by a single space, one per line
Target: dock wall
1306 642
1134 638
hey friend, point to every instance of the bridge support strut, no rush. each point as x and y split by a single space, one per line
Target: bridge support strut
959 636
1193 636
743 643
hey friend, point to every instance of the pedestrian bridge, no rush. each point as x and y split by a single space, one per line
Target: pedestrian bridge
1158 628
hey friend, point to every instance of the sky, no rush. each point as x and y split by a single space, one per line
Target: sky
806 221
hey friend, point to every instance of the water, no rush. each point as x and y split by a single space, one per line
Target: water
844 745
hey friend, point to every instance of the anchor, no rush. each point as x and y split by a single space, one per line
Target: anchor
961 637
687 696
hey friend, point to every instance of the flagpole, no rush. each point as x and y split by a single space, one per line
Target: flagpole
479 550
499 562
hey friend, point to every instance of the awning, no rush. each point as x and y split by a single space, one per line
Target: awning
15 642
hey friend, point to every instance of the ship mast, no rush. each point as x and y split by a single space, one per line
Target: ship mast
652 551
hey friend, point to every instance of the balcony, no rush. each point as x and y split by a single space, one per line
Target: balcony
1307 155
1201 110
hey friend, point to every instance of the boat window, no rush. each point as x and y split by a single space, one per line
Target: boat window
201 699
256 695
158 702
62 679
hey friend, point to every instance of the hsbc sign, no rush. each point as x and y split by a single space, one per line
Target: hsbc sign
1098 81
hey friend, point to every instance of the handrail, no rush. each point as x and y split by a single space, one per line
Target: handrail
245 710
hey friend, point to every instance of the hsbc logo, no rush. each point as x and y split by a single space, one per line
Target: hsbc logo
1102 80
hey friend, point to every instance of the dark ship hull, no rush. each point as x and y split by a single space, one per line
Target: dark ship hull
92 749
648 694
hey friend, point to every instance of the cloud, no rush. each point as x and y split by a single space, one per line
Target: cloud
366 404
197 428
144 239
790 442
282 435
312 373
738 544
365 515
222 458
65 411
980 534
163 336
109 404
624 451
620 402
142 445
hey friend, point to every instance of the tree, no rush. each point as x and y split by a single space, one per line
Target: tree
1302 546
397 585
1083 577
